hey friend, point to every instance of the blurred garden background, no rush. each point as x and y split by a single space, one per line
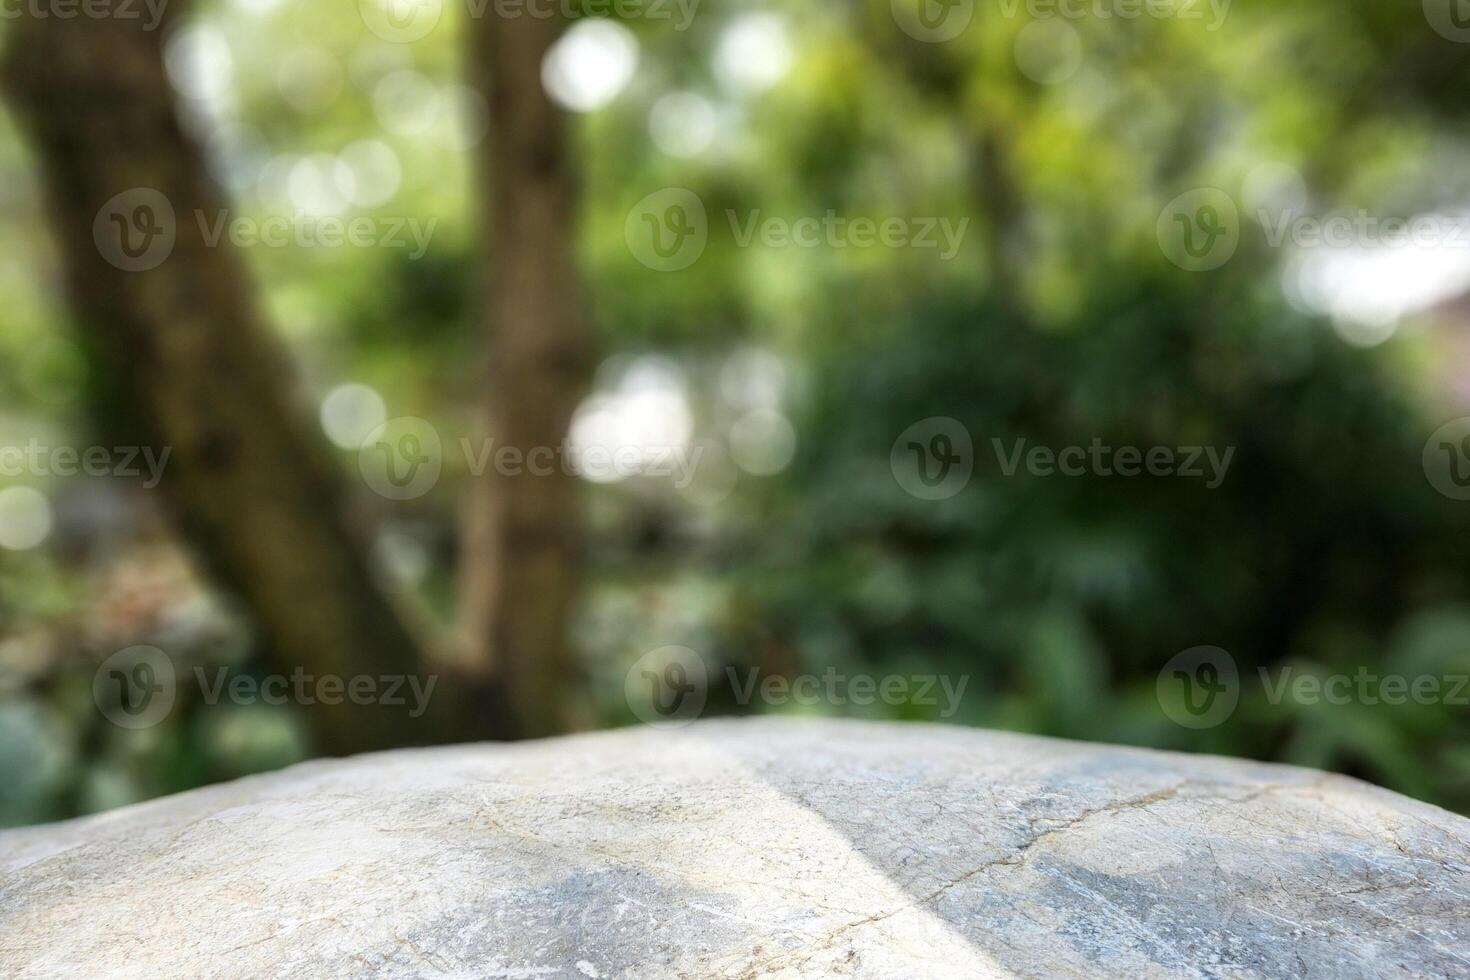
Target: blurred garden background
1065 314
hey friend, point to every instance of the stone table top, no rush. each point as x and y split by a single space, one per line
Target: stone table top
743 849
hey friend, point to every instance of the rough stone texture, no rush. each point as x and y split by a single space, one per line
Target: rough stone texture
751 849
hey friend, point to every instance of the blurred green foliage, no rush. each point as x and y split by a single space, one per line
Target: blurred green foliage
1325 549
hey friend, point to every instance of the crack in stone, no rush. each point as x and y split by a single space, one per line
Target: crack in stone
1015 859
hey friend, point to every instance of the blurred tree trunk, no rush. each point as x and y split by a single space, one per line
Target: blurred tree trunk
519 575
196 366
985 132
1000 198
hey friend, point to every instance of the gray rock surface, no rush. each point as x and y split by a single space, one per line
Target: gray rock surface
751 849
